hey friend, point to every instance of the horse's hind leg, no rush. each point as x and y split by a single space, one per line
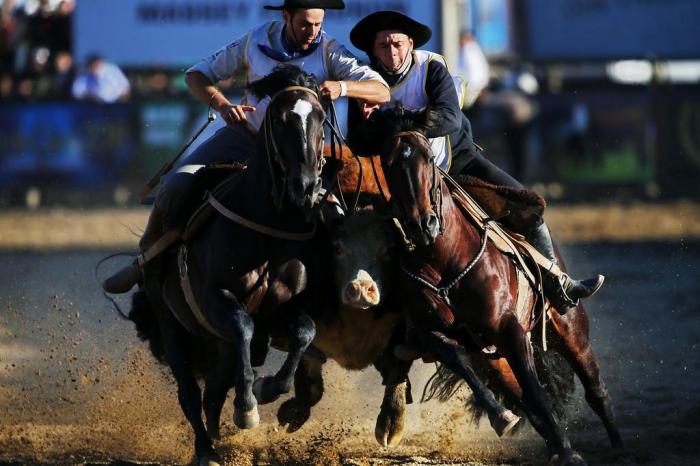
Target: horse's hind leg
515 345
301 333
217 384
230 318
308 391
455 358
573 330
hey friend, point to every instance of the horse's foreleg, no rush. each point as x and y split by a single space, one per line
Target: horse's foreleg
578 351
177 349
301 333
230 318
308 391
515 345
217 384
455 358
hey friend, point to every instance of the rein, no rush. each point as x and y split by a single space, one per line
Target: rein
265 230
444 291
271 147
436 202
338 138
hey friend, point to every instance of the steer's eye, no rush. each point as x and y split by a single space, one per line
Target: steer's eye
338 250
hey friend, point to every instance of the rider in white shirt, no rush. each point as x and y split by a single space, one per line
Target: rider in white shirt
296 40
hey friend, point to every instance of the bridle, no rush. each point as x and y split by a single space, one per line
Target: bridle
436 203
435 192
272 148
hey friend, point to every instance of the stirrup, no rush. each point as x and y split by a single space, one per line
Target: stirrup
125 279
570 291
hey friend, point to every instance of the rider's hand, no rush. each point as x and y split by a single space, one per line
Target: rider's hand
330 89
233 114
366 109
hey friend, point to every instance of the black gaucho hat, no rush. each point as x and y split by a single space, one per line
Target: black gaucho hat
325 4
363 34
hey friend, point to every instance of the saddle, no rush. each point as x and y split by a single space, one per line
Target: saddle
518 209
511 243
216 180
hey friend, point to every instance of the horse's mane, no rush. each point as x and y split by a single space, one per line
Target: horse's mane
281 77
384 124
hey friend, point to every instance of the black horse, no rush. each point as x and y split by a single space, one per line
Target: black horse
251 262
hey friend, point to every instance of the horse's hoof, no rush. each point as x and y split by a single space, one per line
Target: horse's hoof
246 419
293 414
259 391
505 422
388 439
209 460
213 432
568 458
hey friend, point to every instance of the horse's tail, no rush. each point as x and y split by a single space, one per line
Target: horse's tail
557 377
444 384
143 317
554 372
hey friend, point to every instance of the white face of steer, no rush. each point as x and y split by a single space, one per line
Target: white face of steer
363 263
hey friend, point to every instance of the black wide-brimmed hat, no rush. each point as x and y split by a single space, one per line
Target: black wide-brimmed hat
324 4
363 34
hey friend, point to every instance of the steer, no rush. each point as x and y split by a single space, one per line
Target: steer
361 330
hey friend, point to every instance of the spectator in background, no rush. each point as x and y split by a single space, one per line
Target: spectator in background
473 66
7 86
64 74
61 27
101 82
40 25
35 81
8 30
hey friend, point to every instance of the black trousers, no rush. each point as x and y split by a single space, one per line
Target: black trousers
478 166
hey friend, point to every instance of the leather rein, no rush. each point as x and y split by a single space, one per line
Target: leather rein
436 203
271 149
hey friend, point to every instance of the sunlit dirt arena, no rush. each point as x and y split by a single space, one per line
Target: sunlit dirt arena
76 386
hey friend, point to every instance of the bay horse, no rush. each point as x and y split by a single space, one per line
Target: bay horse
459 292
250 269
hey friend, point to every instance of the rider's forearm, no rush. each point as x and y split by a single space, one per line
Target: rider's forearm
204 90
373 92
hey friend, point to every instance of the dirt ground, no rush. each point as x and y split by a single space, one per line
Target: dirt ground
77 387
57 228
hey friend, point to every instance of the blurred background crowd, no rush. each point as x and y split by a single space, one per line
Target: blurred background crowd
37 63
581 99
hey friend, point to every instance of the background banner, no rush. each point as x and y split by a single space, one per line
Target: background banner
177 34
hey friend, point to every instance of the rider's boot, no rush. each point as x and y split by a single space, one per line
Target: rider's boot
563 291
151 244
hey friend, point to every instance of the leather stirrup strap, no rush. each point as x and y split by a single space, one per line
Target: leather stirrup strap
189 294
163 243
481 216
